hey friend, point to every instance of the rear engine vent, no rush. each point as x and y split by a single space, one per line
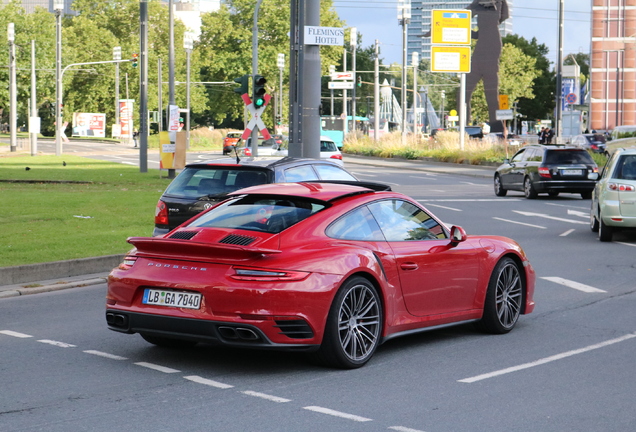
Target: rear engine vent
295 329
238 240
184 235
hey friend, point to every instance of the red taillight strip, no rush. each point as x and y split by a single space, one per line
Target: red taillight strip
621 187
128 262
264 275
545 172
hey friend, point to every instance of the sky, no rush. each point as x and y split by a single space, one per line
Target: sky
377 19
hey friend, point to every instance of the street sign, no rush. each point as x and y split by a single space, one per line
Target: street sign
504 114
335 85
315 35
256 120
451 27
450 59
503 102
342 76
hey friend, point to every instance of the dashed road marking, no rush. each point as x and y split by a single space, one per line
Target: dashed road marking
57 343
572 284
403 429
568 232
443 207
266 396
337 413
545 216
547 359
627 244
156 367
519 223
208 382
15 334
105 355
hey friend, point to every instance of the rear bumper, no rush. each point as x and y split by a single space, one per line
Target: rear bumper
575 186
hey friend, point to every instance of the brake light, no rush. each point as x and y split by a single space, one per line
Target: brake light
128 262
248 152
336 156
161 213
252 274
545 172
617 187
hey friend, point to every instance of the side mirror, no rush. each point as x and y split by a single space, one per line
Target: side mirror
506 161
457 235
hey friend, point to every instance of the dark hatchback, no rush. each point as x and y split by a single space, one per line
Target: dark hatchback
547 169
203 184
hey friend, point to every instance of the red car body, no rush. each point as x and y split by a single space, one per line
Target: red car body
230 141
279 290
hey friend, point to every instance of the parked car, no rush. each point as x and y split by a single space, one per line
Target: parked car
333 269
547 169
230 141
614 198
328 150
203 184
244 148
275 140
474 132
593 142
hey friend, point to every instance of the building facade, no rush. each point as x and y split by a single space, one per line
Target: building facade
421 12
613 64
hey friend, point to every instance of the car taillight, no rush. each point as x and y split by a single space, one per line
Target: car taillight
252 274
248 152
336 156
128 262
161 213
621 187
545 172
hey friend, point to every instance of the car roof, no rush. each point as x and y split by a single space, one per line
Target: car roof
261 162
323 191
556 147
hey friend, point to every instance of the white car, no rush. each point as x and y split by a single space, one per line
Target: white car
328 150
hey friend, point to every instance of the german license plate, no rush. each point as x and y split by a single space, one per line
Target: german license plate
168 298
571 172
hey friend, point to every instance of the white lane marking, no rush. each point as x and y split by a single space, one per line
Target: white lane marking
520 223
208 382
105 355
572 284
15 334
429 177
548 359
364 174
626 244
403 429
444 207
157 367
337 413
506 200
545 216
568 232
569 206
585 215
472 184
266 396
57 344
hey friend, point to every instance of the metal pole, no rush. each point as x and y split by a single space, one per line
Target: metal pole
281 66
344 95
171 97
311 87
441 111
159 95
376 92
354 45
13 101
415 62
34 108
404 17
143 87
58 78
559 80
188 45
462 109
117 56
255 131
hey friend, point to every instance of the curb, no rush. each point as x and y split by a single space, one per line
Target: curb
48 288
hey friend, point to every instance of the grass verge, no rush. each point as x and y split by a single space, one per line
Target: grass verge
45 219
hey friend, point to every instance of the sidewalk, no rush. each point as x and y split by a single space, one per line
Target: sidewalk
54 276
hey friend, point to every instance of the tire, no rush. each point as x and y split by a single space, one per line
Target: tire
528 189
167 342
593 222
499 189
605 233
586 195
354 326
504 298
553 194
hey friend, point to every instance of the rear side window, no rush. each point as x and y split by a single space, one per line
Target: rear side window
358 224
568 157
195 182
300 173
626 168
328 146
333 172
402 221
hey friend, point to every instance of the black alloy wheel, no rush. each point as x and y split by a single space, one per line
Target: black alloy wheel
528 189
499 189
504 298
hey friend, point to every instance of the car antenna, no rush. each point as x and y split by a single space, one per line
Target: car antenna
238 159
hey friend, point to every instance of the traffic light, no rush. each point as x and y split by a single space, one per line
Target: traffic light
244 84
259 90
135 60
359 81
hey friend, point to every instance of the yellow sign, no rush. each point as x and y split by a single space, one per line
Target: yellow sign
503 102
451 27
450 59
172 153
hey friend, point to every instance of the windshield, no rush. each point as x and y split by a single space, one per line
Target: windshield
196 182
258 213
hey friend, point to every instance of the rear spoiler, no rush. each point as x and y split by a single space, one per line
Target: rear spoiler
376 186
187 249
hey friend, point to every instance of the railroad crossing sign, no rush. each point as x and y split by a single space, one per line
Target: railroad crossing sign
342 76
256 119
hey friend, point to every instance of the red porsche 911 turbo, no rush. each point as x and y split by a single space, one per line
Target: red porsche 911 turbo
333 269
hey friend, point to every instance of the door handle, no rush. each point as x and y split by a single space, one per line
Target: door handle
408 266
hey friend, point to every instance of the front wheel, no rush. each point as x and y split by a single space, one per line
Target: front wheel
528 189
499 189
594 225
354 326
503 299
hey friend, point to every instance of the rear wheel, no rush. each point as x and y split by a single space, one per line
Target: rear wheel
167 342
503 299
605 233
354 326
528 189
499 189
586 195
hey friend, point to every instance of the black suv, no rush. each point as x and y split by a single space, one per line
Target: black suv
547 169
201 185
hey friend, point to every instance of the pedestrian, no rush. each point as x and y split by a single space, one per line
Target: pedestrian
549 134
541 137
135 137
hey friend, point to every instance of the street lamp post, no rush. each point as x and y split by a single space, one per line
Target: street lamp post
58 6
117 56
281 66
404 18
441 110
415 61
13 101
188 44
